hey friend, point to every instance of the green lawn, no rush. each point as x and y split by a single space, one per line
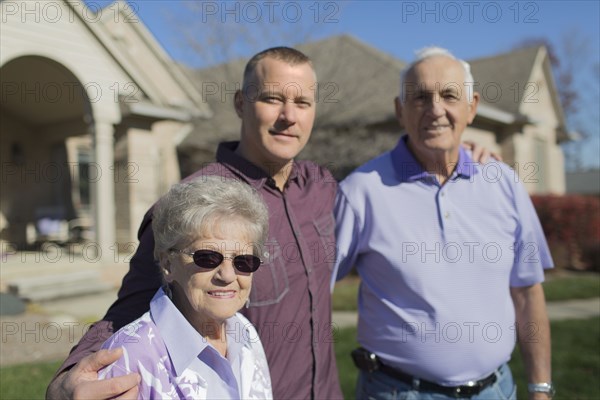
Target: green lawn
575 360
26 381
578 286
345 294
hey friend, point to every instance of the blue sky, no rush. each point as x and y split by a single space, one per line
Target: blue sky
470 29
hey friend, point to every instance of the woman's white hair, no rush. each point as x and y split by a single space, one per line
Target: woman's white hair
193 209
434 51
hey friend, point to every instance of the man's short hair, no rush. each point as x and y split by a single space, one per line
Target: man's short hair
434 51
286 54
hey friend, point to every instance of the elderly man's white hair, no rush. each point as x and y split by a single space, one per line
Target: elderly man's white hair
434 51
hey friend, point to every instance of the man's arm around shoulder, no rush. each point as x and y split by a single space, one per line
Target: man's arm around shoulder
81 382
139 285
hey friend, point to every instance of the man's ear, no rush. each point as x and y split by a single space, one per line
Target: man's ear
238 103
399 111
473 107
398 107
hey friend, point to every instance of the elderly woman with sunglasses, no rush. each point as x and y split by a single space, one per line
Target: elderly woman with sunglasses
193 343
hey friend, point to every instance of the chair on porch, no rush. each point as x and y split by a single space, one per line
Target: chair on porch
52 225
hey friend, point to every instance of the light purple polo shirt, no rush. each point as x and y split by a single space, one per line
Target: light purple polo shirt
436 263
176 362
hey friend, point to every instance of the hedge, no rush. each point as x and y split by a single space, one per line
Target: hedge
572 227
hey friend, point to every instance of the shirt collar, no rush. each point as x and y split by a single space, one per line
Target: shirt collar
466 167
409 169
251 173
183 342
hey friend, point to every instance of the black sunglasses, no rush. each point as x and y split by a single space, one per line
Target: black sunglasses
212 259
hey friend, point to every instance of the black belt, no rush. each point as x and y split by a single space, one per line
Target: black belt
471 389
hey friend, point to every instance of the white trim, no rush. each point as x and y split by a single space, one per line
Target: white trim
99 31
186 84
154 111
182 134
495 114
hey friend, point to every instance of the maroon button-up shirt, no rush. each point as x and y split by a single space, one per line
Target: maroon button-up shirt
290 301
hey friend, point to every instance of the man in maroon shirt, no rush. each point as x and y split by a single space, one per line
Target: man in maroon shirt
290 302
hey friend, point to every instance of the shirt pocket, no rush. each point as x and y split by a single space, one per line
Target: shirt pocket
270 282
325 227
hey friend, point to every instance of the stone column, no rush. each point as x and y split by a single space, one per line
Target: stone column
103 190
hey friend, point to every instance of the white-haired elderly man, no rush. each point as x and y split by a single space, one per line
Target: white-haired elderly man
451 259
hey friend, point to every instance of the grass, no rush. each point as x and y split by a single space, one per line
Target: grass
578 286
26 381
345 294
575 360
557 287
345 342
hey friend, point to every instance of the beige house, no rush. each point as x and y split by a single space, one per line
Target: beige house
92 111
96 122
521 116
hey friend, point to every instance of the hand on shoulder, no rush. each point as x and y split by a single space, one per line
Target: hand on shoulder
81 381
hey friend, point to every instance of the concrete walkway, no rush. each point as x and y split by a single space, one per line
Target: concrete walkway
49 329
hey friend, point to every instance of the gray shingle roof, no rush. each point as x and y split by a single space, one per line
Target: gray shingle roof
217 85
358 83
509 72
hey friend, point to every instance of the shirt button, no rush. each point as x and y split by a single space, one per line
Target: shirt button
447 215
442 194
